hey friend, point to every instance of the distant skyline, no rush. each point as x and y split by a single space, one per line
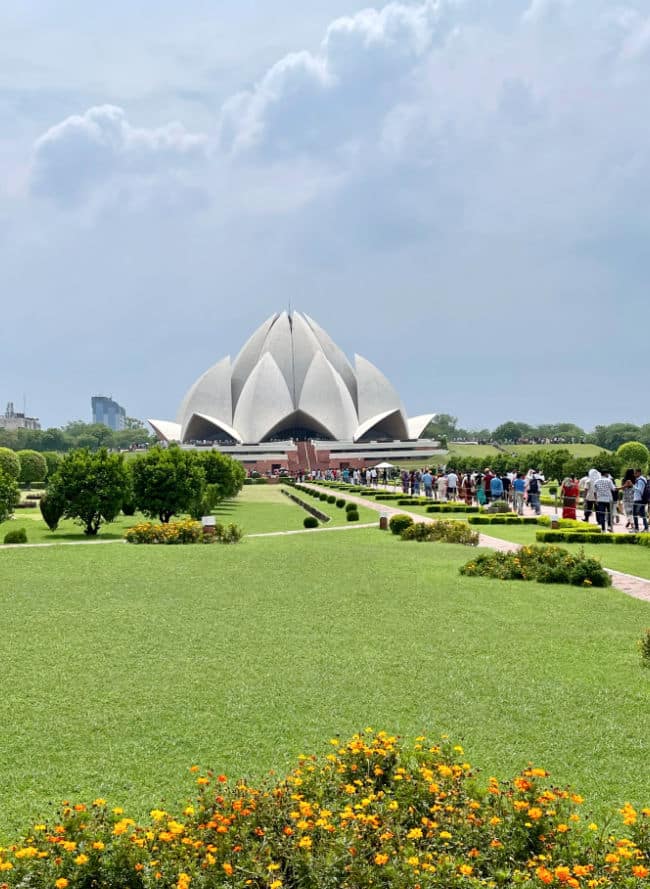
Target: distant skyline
456 189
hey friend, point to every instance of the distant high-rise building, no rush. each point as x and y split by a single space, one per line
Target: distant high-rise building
108 412
12 419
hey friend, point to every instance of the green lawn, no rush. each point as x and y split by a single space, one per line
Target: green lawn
123 666
258 509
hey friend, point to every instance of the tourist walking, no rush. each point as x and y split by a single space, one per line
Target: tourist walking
570 491
452 485
627 498
534 490
604 490
442 487
427 481
641 499
590 493
519 491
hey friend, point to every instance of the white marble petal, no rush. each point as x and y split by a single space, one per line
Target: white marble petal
197 421
166 430
325 397
336 357
264 402
417 425
248 357
209 395
374 393
387 424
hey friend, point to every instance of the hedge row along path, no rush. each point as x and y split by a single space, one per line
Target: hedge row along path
638 587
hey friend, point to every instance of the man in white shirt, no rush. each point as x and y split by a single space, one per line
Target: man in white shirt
452 485
638 506
604 489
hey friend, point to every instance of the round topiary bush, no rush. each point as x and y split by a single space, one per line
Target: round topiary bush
10 463
310 521
352 515
18 535
33 467
322 496
340 503
633 455
399 523
331 499
351 507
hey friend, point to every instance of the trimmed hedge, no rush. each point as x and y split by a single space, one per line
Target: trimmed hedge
351 507
447 532
310 521
340 503
399 523
17 535
352 515
592 537
512 519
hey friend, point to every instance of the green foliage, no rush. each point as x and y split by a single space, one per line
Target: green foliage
633 455
9 463
226 534
440 531
167 482
170 533
340 503
18 535
331 498
351 506
511 432
310 521
9 495
399 523
644 648
224 472
352 515
33 467
92 487
52 506
53 460
544 564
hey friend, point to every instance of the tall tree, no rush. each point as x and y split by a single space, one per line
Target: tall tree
166 482
92 487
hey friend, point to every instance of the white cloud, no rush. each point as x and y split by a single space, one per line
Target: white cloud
101 147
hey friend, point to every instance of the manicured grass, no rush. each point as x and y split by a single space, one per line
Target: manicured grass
258 509
123 666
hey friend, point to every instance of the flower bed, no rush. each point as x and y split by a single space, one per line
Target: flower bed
442 532
374 812
545 564
184 531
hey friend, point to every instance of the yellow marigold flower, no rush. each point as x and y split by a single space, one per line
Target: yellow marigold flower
563 873
227 868
27 852
381 858
98 845
39 827
276 884
414 834
183 881
100 801
413 860
534 813
6 865
593 826
188 810
81 859
61 883
445 835
69 846
305 843
273 866
118 811
562 828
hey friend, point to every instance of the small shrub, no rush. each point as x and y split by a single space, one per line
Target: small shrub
352 516
644 647
447 532
340 503
231 533
399 523
323 496
331 498
545 564
128 507
351 507
52 507
310 521
18 535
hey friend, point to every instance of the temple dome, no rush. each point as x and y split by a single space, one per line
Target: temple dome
290 380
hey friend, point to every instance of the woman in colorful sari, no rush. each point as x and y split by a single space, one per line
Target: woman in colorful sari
570 492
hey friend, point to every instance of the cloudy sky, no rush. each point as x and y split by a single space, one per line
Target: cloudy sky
459 190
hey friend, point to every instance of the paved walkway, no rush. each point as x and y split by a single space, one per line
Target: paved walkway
638 587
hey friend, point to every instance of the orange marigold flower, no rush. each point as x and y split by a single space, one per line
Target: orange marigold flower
563 874
227 868
640 871
544 875
61 883
381 858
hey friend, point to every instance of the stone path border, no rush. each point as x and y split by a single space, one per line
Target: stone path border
630 584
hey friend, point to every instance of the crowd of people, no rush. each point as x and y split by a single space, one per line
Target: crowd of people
596 492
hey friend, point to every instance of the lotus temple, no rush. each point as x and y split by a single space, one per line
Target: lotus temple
291 400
